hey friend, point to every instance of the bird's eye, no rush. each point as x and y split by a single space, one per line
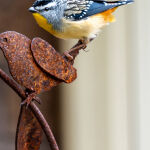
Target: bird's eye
46 8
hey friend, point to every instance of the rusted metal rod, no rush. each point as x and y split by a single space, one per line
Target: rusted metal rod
50 137
45 126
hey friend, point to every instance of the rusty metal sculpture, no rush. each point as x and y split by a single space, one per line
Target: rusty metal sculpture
36 66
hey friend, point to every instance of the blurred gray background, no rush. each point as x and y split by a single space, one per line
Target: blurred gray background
107 107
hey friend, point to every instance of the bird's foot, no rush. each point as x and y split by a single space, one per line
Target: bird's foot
80 45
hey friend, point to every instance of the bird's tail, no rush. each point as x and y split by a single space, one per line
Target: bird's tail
110 7
116 2
112 4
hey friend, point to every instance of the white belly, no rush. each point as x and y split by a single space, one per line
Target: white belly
88 28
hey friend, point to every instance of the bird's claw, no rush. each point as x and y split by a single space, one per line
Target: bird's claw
80 45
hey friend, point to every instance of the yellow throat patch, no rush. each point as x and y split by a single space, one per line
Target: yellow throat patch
42 22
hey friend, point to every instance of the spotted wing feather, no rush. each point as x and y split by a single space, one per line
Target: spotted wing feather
81 9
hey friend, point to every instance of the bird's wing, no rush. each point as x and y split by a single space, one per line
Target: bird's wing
81 9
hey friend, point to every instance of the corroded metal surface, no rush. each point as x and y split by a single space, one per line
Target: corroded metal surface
24 70
30 73
29 131
51 61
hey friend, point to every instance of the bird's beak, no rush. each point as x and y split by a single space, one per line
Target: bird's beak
31 9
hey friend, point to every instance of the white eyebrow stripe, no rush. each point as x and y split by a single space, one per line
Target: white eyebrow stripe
51 4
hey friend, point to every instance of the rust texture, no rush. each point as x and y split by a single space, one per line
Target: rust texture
51 61
23 68
29 131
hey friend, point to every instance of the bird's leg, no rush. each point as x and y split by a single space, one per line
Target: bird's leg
30 96
86 41
80 45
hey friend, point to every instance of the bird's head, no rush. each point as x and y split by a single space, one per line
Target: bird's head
51 10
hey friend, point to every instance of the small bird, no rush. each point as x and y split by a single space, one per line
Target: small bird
75 19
